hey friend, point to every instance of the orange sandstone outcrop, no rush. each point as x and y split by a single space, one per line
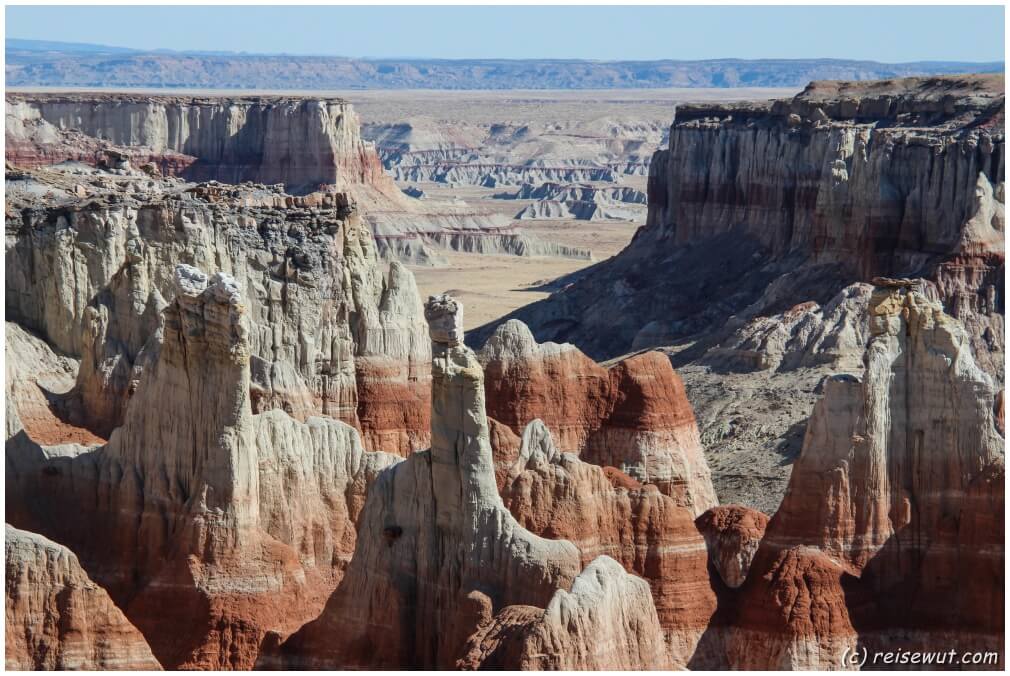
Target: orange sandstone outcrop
792 614
633 416
57 618
732 534
607 513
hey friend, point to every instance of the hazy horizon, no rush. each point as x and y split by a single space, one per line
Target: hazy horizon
894 34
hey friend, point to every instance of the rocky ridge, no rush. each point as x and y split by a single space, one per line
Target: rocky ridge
451 574
769 266
246 139
477 576
68 65
330 332
862 210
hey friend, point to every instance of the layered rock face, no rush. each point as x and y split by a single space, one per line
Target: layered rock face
330 333
301 142
897 178
633 416
582 202
762 217
57 618
585 192
605 512
491 148
307 144
732 534
208 525
452 577
891 531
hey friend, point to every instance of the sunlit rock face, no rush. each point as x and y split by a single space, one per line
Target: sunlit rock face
298 141
331 331
209 526
891 531
758 207
57 618
633 416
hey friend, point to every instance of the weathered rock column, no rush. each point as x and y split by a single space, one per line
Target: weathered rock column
460 438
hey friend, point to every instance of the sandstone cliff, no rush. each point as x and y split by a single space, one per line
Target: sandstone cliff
840 184
301 142
208 525
57 618
891 530
330 333
633 416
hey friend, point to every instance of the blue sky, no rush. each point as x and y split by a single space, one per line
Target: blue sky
889 34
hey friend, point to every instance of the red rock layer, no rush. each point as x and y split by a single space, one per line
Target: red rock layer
33 154
732 534
605 512
634 416
792 614
394 404
557 384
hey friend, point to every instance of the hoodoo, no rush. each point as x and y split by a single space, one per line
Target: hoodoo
633 416
891 529
193 496
453 577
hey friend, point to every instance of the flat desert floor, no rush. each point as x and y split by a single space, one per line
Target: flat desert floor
493 286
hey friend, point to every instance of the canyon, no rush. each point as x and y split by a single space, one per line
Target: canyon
767 434
773 219
250 139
